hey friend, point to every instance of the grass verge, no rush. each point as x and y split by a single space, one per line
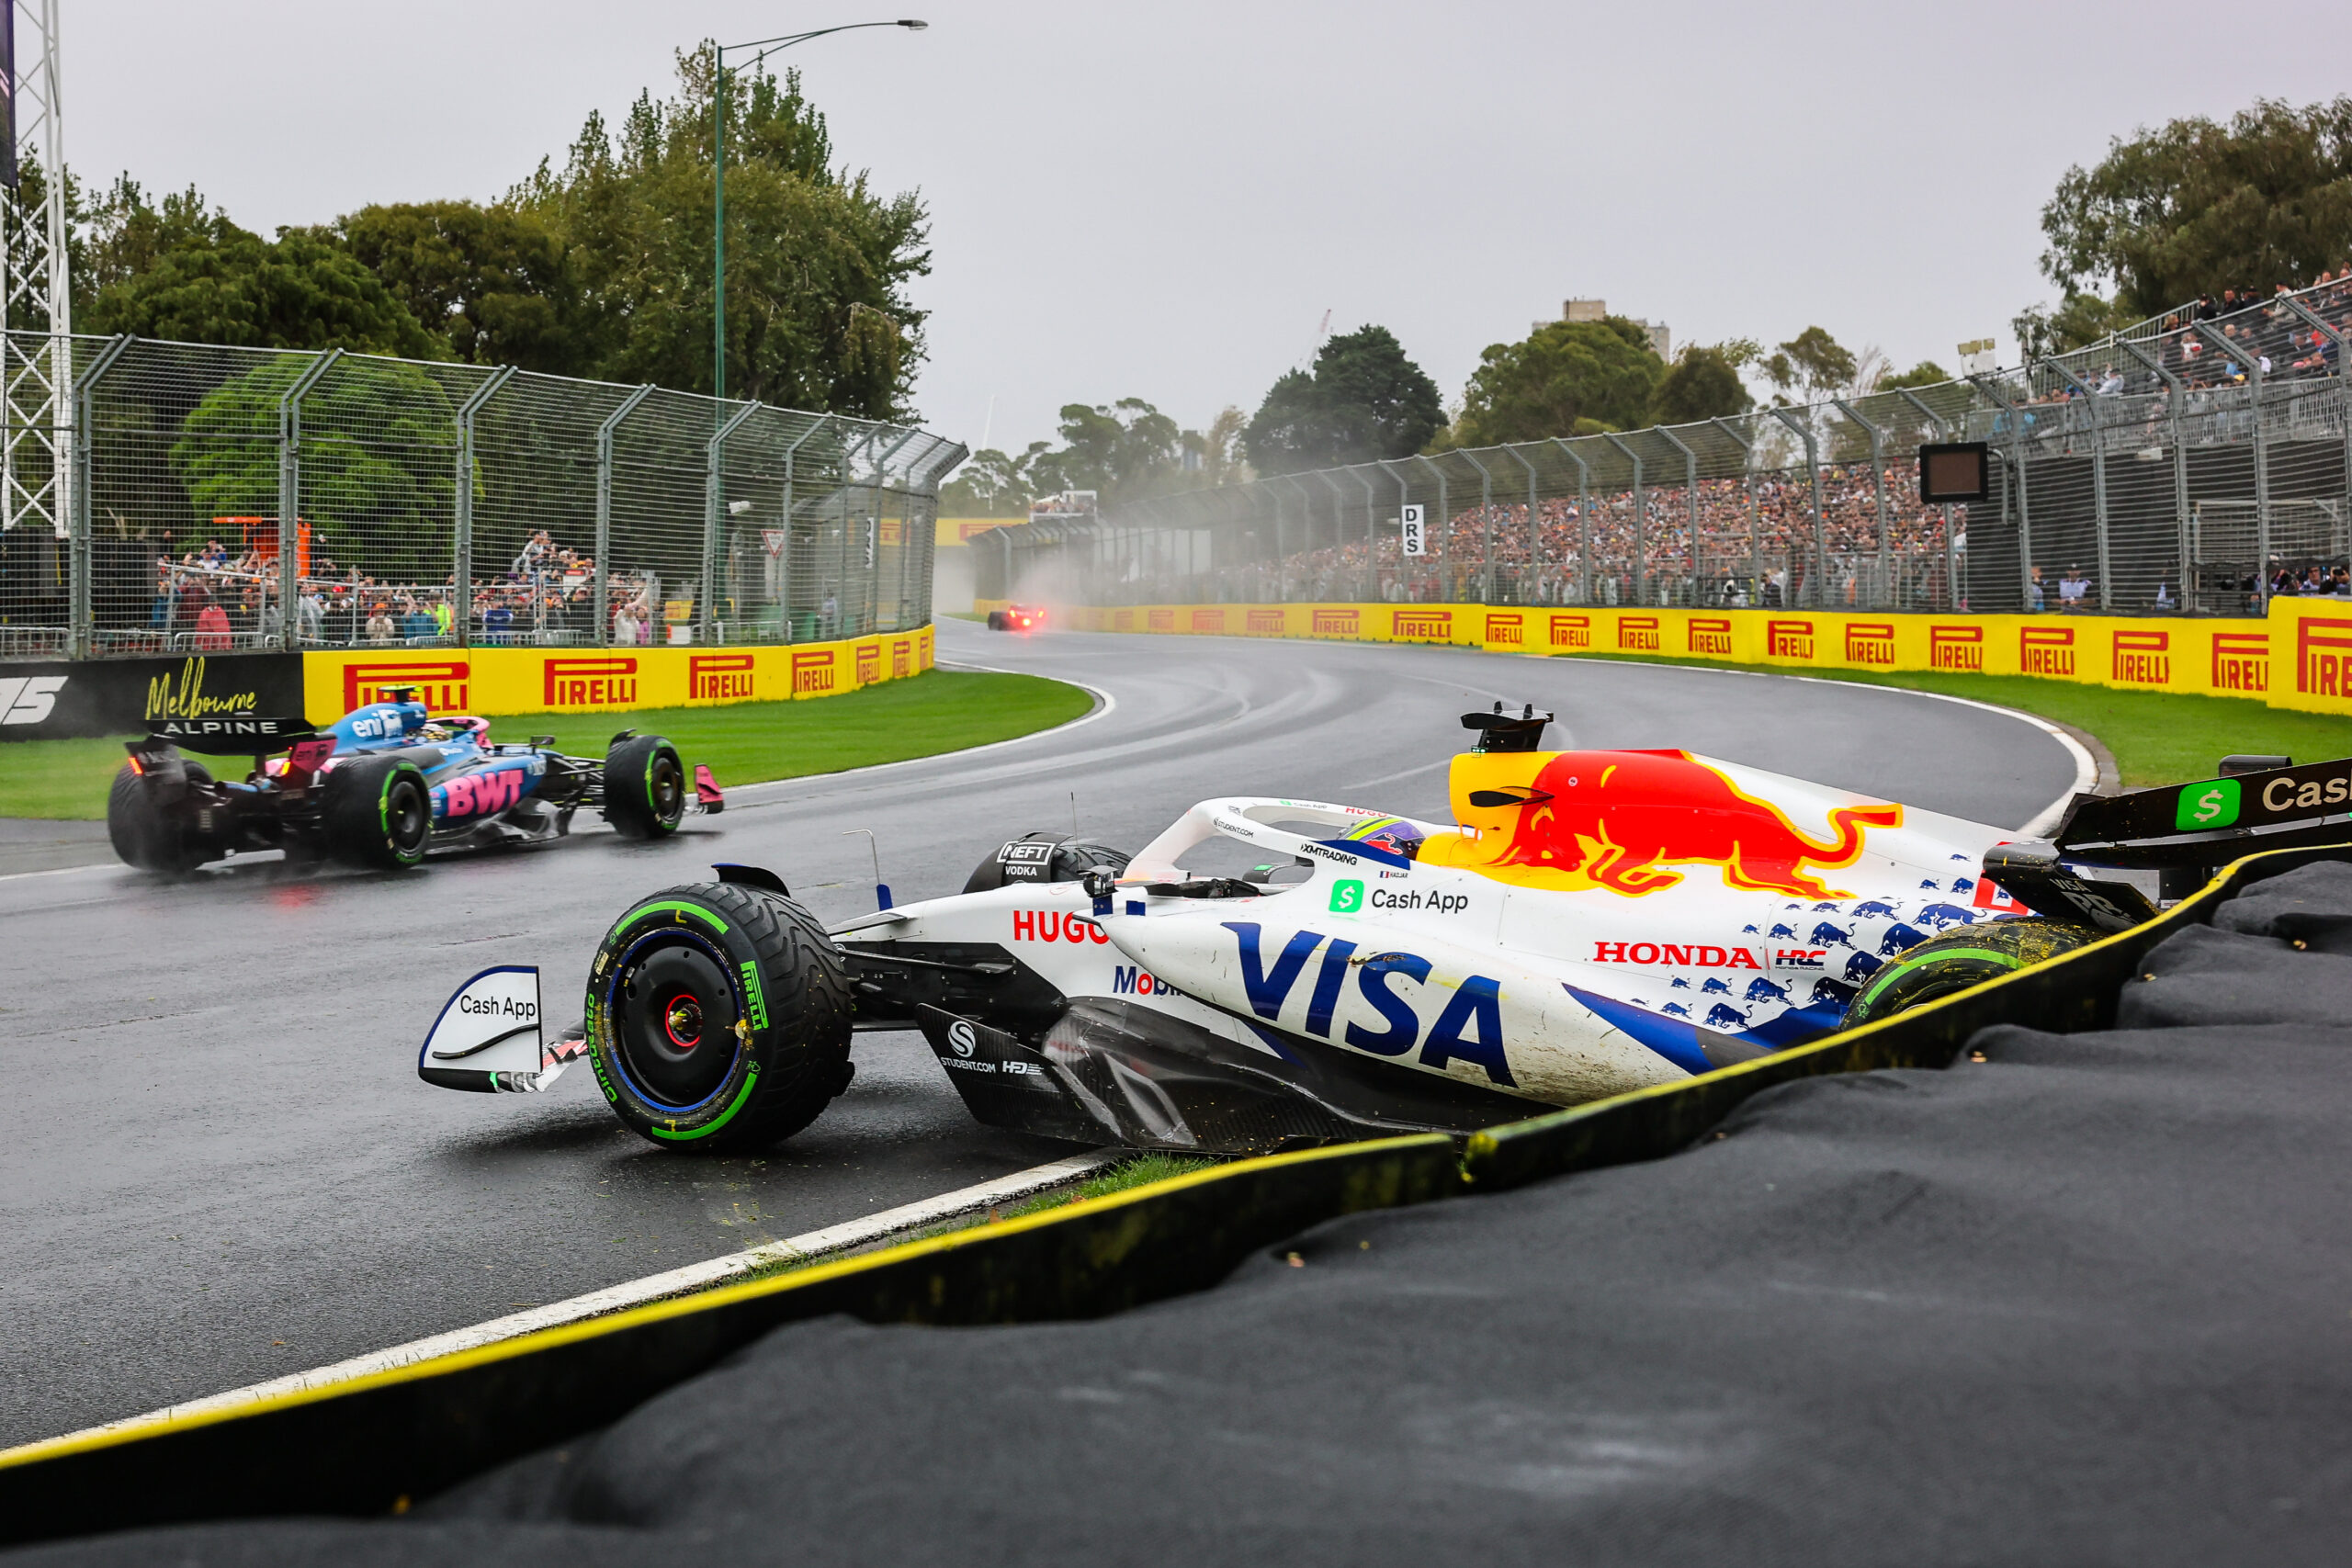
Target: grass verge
940 710
2156 738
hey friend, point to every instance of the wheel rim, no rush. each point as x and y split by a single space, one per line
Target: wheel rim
666 787
407 816
673 1019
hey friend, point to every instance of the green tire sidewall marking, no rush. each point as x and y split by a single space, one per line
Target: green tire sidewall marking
384 811
1897 970
751 1082
670 906
759 1008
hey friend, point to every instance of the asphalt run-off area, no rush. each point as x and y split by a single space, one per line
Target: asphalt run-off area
224 1169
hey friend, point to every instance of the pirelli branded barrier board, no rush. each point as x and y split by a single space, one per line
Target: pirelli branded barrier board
2300 657
492 680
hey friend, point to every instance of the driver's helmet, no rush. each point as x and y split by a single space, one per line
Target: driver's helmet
1391 834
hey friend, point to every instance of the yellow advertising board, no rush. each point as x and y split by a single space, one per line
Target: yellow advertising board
2301 659
951 533
492 680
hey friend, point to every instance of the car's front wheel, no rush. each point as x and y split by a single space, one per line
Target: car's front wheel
1958 959
645 788
719 1018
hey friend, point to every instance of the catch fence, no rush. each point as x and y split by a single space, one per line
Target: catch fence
405 504
2184 466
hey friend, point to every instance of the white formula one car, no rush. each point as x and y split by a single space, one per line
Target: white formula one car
1591 922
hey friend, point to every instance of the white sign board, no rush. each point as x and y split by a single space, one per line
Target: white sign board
1416 534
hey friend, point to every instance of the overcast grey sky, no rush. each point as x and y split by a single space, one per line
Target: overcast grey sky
1162 201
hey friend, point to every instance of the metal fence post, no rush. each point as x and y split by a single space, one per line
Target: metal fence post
2343 391
604 511
2261 485
1534 535
1339 544
1813 474
1485 526
2098 480
2025 517
1584 519
1748 483
713 502
1936 423
2175 395
1878 485
1690 493
81 615
1305 518
290 491
874 567
1371 528
791 455
1444 523
1404 499
465 529
1641 522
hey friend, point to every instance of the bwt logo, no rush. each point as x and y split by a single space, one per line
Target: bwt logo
2046 650
1639 633
2241 662
1710 636
1163 620
589 682
1421 623
870 662
1870 642
1265 623
478 795
441 687
811 671
719 677
902 658
1955 647
1208 620
1335 622
2320 668
1788 639
1506 630
2142 659
1572 631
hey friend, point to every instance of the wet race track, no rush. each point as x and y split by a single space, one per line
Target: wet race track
222 1166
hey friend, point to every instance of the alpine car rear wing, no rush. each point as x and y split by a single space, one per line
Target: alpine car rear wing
231 737
2184 830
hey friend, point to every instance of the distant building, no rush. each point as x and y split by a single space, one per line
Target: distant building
1661 339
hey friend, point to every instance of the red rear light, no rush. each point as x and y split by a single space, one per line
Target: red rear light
137 767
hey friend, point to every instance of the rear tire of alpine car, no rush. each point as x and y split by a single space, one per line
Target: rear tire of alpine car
996 620
645 788
148 834
719 1018
1958 959
376 812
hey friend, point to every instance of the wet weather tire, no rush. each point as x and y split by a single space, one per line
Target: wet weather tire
376 812
148 833
645 788
719 1018
1958 959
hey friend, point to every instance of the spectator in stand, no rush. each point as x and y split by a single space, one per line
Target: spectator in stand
627 629
213 633
417 624
2072 589
380 625
2035 602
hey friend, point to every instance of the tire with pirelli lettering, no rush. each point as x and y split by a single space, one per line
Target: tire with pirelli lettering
719 1018
1966 956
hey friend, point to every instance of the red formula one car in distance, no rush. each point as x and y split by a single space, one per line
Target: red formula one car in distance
1017 618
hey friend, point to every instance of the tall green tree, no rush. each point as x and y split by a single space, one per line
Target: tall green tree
1565 379
493 282
1122 450
301 292
1364 399
2197 205
1813 362
1702 383
817 262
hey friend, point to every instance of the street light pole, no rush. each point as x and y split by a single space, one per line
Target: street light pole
766 47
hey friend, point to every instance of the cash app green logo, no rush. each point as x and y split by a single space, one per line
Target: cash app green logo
2212 805
1347 897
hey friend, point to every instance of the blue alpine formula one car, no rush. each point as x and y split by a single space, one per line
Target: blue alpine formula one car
382 787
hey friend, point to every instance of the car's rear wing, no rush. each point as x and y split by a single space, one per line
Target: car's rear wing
2185 830
230 736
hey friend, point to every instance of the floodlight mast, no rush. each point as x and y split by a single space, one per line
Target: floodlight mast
36 469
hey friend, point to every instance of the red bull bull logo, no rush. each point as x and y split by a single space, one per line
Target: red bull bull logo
1622 819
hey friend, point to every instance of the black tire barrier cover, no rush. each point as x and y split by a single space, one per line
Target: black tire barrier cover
645 788
1958 959
147 833
1042 857
719 1018
376 812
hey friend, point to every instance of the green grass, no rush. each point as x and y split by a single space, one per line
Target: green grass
2157 737
941 710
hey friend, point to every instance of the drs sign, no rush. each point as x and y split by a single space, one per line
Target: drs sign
1415 531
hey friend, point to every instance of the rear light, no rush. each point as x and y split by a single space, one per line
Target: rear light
138 767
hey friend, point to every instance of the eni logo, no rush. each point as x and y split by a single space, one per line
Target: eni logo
1347 897
2212 805
959 1034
